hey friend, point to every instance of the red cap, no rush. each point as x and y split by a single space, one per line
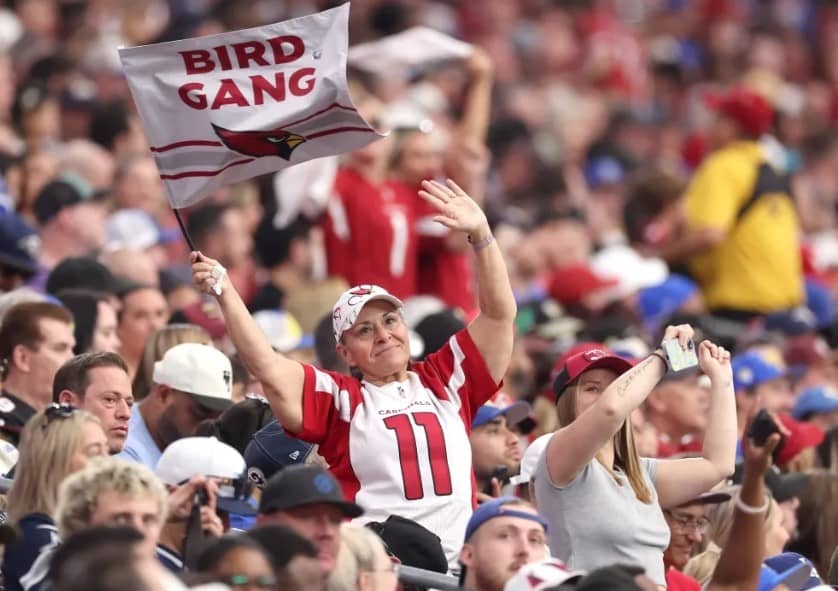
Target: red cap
749 109
590 359
570 285
802 436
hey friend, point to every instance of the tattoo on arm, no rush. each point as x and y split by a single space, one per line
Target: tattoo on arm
631 375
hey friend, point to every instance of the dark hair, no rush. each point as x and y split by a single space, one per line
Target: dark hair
282 544
324 346
108 121
21 326
204 221
215 551
74 375
97 559
272 246
84 305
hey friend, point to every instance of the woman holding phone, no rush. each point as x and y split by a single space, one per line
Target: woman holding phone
603 502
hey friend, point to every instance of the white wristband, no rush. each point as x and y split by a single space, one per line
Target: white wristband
745 508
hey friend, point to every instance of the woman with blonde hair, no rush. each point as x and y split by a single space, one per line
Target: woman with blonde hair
720 517
363 563
602 501
160 342
818 526
56 442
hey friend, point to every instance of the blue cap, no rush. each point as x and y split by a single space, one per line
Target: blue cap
750 370
496 508
656 304
515 413
604 170
819 301
19 244
816 399
795 322
789 568
271 450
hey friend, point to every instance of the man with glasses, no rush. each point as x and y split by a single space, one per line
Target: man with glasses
687 525
192 383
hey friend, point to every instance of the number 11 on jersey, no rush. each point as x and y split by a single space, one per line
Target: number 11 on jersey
405 432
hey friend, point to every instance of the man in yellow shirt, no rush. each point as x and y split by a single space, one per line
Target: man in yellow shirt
741 240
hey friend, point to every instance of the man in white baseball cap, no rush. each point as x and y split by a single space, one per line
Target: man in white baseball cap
192 383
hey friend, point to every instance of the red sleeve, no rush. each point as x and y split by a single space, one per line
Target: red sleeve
458 371
329 399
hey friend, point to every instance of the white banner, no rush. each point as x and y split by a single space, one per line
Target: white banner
224 108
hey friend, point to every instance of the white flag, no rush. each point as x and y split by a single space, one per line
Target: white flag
224 108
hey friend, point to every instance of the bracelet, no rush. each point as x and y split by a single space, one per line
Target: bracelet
482 244
750 510
662 358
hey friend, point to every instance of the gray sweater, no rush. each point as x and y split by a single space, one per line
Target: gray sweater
596 522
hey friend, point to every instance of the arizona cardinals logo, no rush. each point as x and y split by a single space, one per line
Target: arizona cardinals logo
361 291
274 142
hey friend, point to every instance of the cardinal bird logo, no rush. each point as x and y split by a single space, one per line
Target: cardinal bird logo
361 291
274 142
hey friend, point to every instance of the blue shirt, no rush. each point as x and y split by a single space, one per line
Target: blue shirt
170 559
26 562
140 447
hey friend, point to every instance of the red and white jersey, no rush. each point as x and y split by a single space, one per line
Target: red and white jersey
403 448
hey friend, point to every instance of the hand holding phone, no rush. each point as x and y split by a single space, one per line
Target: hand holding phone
679 358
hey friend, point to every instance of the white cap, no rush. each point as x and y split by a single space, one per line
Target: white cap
353 300
282 331
201 370
199 456
131 229
541 575
529 461
632 271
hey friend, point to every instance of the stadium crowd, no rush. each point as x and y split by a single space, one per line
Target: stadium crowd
449 359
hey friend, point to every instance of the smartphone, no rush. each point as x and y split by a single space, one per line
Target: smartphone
680 359
762 428
501 473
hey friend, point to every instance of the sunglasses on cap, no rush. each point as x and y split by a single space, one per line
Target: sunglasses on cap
58 411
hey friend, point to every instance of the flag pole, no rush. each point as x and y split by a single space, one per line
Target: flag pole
183 230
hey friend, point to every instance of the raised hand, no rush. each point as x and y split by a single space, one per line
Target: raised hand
715 361
208 274
683 332
457 210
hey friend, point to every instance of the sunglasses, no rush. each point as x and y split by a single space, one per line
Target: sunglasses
58 411
240 580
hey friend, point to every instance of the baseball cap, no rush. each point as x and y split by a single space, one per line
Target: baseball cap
749 109
65 191
529 461
19 244
200 370
783 487
515 411
751 369
207 456
578 364
801 436
631 270
134 229
413 544
658 303
604 170
789 560
570 285
301 485
87 273
814 400
352 301
793 577
271 450
708 498
282 331
542 575
497 508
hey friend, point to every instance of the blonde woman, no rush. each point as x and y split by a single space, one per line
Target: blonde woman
363 563
602 501
56 442
160 342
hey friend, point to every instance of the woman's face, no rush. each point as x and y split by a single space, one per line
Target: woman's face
104 333
91 444
776 536
378 342
590 387
245 569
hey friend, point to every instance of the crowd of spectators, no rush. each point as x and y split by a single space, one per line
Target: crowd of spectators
444 360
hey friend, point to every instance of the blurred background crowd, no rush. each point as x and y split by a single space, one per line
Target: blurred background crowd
642 163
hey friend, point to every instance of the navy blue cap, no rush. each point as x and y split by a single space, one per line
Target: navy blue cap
789 561
514 413
750 370
817 399
498 508
19 244
271 450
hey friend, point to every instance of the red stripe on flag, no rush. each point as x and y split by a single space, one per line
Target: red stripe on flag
337 130
194 173
186 143
320 112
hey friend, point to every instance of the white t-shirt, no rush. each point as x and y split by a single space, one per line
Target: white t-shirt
403 448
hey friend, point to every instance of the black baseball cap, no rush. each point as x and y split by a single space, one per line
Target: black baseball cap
410 542
88 273
301 485
65 191
19 244
783 487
